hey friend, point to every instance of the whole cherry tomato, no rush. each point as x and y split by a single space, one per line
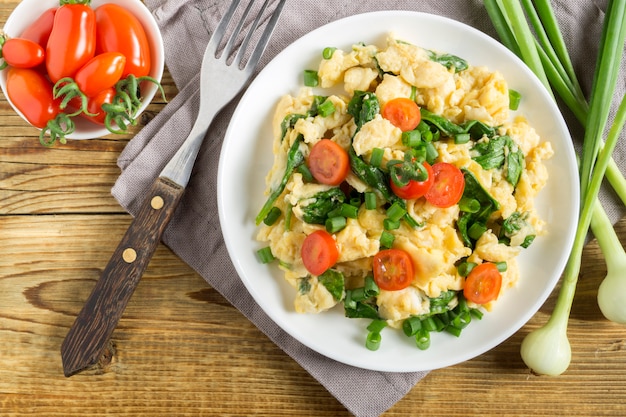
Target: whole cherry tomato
72 41
118 30
22 53
39 31
100 72
31 93
95 113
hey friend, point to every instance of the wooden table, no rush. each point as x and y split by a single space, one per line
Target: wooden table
181 349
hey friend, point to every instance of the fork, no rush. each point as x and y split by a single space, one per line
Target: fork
223 75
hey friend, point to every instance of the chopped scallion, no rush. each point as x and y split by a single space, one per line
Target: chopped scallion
370 200
514 99
386 239
328 52
335 224
311 78
376 159
265 255
395 211
272 216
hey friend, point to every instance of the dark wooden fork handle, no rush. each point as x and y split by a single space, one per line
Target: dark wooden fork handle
88 337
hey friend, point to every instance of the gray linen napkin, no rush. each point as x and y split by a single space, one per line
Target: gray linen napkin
194 233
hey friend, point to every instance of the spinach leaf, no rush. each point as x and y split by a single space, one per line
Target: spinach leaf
324 202
501 152
295 158
478 219
364 106
515 224
334 282
449 61
290 120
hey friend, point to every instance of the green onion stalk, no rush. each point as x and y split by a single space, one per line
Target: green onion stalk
547 349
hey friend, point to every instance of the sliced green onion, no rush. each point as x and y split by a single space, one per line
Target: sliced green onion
514 99
370 200
272 216
465 268
501 266
349 211
476 230
326 108
373 341
328 52
411 326
431 153
376 159
469 205
389 224
335 224
411 138
387 239
311 78
377 326
422 339
395 211
455 331
265 255
461 138
370 287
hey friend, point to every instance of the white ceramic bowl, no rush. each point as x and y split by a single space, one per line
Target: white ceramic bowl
29 10
247 156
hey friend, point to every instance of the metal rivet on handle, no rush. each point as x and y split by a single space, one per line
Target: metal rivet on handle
129 255
157 202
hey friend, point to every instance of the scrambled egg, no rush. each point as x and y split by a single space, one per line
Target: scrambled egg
436 246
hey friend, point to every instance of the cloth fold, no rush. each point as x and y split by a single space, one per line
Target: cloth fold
194 233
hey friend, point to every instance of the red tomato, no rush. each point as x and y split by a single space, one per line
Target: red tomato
39 31
403 113
100 72
448 187
94 105
483 283
31 93
319 252
72 42
329 163
393 269
22 53
415 189
118 30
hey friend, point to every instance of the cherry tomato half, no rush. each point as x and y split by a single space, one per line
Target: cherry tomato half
22 53
328 162
319 252
403 113
72 41
483 283
100 72
118 30
415 189
31 93
393 269
448 186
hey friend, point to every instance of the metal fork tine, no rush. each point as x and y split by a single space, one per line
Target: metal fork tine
220 30
262 43
254 26
233 37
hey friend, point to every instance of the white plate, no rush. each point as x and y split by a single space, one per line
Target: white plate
247 157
